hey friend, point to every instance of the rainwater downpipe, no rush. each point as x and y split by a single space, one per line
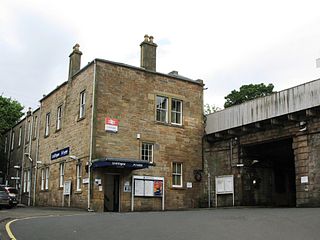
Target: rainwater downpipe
36 163
91 134
29 157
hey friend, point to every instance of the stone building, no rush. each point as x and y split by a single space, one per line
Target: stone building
20 152
115 137
270 147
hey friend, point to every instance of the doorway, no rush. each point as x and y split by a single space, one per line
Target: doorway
111 193
270 174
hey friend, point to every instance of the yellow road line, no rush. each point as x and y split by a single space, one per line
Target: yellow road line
12 237
10 234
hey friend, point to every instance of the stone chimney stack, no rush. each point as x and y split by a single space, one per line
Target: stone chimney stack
75 60
148 53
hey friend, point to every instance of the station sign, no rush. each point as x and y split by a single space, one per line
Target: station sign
111 124
60 153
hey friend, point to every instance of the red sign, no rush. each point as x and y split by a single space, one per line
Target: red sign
111 124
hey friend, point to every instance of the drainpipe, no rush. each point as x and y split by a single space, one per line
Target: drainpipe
36 163
29 156
91 134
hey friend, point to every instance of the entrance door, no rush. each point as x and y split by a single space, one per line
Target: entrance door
111 193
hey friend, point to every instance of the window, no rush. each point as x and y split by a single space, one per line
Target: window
78 177
176 111
28 131
47 127
82 104
42 178
176 174
147 152
5 144
47 178
35 126
61 175
20 136
59 116
28 181
12 141
25 181
162 109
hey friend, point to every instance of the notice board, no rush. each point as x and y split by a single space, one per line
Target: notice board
224 185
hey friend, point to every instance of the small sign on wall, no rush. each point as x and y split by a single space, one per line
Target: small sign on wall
304 179
189 184
127 187
111 124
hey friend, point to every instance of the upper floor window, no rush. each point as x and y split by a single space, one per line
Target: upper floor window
20 136
47 127
176 111
162 109
169 110
59 117
176 174
27 136
147 152
82 104
12 141
35 126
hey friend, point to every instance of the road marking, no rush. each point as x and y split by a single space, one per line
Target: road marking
12 237
10 234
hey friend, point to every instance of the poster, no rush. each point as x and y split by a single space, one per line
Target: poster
157 188
224 184
148 188
139 187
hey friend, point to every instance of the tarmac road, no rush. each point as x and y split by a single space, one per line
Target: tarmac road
232 223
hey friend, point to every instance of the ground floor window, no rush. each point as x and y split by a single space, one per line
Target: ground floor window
176 174
79 177
61 175
47 178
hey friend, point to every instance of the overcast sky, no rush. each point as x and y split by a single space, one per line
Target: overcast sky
226 43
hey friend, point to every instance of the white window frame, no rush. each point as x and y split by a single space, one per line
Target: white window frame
42 178
175 112
147 151
28 131
47 126
20 136
47 178
28 181
82 105
24 181
161 110
12 141
61 174
79 176
176 174
59 117
35 125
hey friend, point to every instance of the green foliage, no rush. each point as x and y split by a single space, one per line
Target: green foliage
10 113
248 92
207 109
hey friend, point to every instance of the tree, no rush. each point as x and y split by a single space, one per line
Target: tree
207 109
10 113
248 92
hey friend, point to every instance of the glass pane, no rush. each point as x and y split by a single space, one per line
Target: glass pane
179 168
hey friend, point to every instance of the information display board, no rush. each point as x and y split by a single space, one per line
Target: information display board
147 186
224 185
